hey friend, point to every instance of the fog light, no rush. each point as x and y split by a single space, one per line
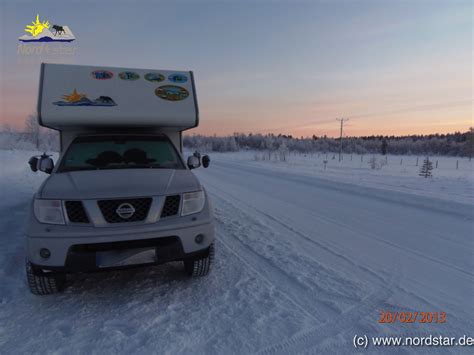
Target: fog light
199 238
45 253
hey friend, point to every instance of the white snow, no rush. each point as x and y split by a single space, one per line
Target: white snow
392 172
306 259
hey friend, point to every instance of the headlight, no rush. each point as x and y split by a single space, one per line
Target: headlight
49 211
193 202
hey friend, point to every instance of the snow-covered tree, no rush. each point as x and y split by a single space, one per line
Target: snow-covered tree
469 145
269 145
33 130
384 146
283 151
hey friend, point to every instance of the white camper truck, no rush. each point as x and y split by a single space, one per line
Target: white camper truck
120 193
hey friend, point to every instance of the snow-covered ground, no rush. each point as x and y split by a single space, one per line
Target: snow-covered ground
307 258
453 177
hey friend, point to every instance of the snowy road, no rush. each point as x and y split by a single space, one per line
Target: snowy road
303 264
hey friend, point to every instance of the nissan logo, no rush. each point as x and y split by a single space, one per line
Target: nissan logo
125 210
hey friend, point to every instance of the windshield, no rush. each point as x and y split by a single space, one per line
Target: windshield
120 152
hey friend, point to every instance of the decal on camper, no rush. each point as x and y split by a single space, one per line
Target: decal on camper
129 75
154 77
77 99
177 78
102 74
171 92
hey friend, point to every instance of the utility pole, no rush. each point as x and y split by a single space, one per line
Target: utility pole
342 125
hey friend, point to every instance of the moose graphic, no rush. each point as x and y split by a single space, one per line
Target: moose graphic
58 30
104 100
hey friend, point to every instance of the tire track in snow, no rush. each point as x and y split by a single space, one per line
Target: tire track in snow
299 295
331 273
310 338
307 301
382 279
350 229
346 321
300 234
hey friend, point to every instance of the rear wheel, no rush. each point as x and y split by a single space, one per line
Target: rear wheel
43 283
202 265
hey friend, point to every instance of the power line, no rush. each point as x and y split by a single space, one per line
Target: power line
342 127
381 113
416 108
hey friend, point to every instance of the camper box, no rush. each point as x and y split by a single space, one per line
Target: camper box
77 99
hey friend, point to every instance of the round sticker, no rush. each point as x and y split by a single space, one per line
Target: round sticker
177 78
171 92
129 75
155 77
102 74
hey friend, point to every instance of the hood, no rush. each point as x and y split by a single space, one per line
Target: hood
98 184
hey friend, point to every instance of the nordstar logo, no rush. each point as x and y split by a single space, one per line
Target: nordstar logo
43 31
125 210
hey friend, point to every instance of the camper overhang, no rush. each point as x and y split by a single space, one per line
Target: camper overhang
76 97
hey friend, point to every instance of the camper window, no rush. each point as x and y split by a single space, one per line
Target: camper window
120 152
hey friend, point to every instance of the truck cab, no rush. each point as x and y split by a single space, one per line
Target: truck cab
121 194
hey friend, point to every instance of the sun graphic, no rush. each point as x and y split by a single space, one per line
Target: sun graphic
74 97
37 26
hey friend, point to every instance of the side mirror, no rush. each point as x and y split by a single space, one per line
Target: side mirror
33 163
46 165
193 162
205 161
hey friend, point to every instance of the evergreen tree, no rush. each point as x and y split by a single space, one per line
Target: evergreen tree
426 168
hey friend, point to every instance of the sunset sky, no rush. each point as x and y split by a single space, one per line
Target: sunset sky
391 67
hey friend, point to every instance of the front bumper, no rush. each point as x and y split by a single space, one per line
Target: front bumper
175 239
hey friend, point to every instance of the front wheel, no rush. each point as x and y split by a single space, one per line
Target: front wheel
201 266
43 283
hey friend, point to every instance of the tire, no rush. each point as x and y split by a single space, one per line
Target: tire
201 266
41 283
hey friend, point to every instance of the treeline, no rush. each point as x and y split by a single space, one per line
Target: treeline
452 144
33 137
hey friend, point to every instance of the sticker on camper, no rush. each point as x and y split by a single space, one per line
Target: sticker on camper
77 99
102 74
177 78
129 75
171 92
154 77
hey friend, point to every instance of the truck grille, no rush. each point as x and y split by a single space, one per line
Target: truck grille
76 212
171 206
110 208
